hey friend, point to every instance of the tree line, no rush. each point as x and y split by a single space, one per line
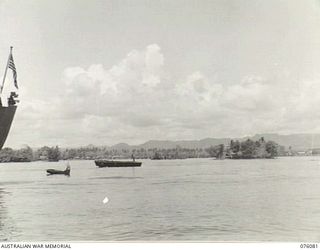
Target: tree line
248 149
27 154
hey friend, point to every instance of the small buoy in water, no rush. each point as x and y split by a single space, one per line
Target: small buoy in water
105 200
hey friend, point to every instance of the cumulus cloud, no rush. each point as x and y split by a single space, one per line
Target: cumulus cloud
135 100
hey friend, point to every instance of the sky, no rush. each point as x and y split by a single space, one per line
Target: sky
104 72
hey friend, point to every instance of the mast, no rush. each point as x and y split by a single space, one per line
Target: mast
5 72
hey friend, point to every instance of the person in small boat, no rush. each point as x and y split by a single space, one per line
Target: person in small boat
68 167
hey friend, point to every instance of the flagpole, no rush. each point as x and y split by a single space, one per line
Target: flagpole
5 72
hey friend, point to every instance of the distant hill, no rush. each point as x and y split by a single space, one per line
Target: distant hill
296 141
121 146
204 143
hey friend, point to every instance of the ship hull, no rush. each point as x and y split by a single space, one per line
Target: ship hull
116 164
6 118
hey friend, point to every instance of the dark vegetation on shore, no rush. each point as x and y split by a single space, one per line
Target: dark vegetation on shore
247 149
27 154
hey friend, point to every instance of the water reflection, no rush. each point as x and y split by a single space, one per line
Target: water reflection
7 224
3 215
2 207
189 200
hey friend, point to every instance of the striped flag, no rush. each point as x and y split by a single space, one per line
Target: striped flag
13 68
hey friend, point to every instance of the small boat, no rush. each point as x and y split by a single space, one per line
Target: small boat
54 171
116 164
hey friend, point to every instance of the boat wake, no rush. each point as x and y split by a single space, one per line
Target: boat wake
116 177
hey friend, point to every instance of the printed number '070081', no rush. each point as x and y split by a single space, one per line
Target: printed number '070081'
308 245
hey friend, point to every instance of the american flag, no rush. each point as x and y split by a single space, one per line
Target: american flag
13 67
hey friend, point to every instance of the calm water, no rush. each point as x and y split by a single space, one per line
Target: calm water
194 199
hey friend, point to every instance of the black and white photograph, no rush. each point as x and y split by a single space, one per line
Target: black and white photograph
160 121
